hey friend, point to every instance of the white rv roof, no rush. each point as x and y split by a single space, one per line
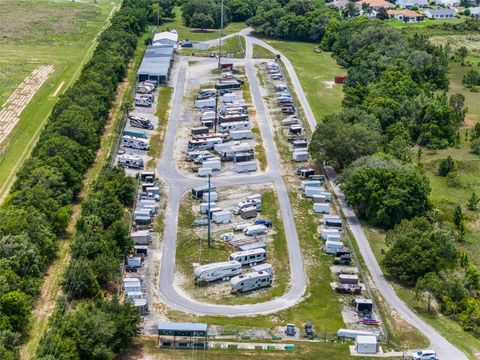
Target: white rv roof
248 252
332 242
216 265
252 275
261 267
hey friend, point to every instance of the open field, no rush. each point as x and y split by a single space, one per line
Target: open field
259 52
231 47
197 35
45 32
316 72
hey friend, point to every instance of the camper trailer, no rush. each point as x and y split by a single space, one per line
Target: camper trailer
217 271
232 118
232 126
204 144
205 103
263 267
131 161
310 183
249 257
245 166
250 281
142 101
134 143
135 133
255 230
140 122
257 245
142 237
240 134
312 190
331 247
199 130
247 203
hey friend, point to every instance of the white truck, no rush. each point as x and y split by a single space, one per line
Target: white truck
249 257
217 271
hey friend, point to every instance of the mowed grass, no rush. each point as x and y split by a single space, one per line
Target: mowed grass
185 32
11 75
231 47
192 249
44 39
316 72
259 52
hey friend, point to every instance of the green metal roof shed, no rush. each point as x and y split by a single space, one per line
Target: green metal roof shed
182 329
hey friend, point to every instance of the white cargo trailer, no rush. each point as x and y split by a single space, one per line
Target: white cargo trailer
241 134
310 191
222 217
255 230
205 103
204 171
325 232
204 206
319 198
331 247
142 237
311 183
214 164
249 257
321 208
213 196
334 237
246 166
300 156
217 271
250 281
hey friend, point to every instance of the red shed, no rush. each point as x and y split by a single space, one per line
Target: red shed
340 79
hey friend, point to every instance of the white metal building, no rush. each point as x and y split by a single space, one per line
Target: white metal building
366 344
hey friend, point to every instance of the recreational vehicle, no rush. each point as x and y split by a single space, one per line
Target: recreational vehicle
310 183
232 118
217 271
247 203
263 267
236 125
257 245
131 161
241 134
250 281
249 257
205 103
134 143
321 208
332 221
140 122
245 166
204 144
142 101
208 115
135 133
255 230
331 247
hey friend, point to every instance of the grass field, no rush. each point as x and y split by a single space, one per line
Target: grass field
193 34
259 52
316 72
192 248
36 33
147 348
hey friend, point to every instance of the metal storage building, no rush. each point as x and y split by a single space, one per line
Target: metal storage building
156 64
192 335
366 344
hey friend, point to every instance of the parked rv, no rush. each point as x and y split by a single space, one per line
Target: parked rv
250 281
131 161
245 166
142 237
140 122
205 103
135 133
217 271
255 230
249 257
142 101
247 203
232 126
134 143
241 134
263 267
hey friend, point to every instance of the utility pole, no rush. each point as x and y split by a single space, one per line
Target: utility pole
221 35
209 213
216 112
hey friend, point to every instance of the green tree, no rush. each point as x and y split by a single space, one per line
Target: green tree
446 166
429 286
415 248
339 143
471 79
382 14
80 281
458 219
16 305
201 21
473 201
462 53
475 146
384 191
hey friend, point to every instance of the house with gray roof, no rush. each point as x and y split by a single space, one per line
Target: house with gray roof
408 4
440 14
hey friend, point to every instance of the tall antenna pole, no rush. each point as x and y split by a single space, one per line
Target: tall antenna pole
221 35
209 213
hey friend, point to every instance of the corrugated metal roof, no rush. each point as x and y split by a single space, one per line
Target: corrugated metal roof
157 66
169 326
159 51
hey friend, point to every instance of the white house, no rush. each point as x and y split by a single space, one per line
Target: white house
475 11
442 14
408 4
448 3
405 15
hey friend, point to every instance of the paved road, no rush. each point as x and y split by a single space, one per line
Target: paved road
178 184
444 349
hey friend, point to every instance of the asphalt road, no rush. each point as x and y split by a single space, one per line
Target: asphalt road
444 349
178 184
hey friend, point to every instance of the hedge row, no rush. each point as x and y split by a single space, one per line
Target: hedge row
39 207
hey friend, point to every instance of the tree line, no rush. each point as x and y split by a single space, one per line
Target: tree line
38 209
395 98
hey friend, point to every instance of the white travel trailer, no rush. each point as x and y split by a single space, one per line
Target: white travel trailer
249 257
204 206
246 166
241 134
310 191
256 197
255 230
134 143
131 161
263 267
135 295
141 237
205 103
214 164
321 208
208 115
300 155
250 281
332 221
325 232
331 247
231 126
311 183
217 271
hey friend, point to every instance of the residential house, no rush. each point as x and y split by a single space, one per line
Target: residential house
440 14
375 4
406 15
448 3
408 4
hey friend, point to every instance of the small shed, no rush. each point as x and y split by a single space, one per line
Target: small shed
183 335
363 305
366 344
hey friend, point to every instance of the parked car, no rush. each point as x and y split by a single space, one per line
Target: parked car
267 223
290 330
424 355
309 330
